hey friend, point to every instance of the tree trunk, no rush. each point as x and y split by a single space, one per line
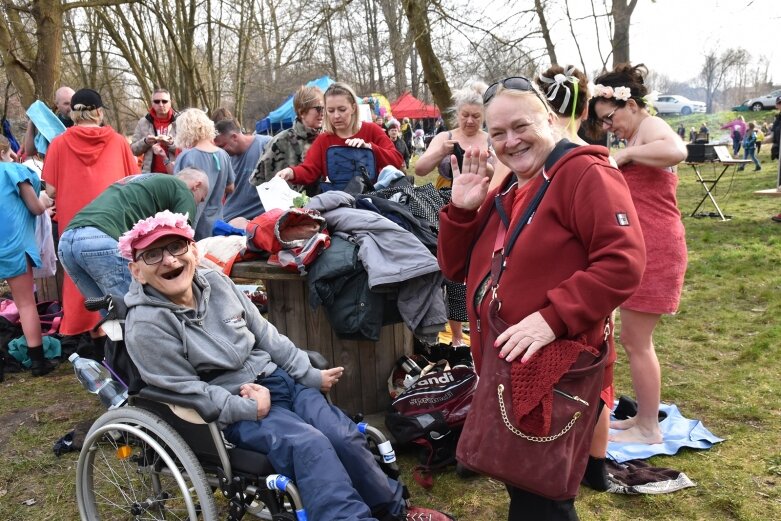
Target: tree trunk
399 44
432 68
539 6
622 14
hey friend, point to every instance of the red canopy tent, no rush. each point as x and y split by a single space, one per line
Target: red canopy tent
408 106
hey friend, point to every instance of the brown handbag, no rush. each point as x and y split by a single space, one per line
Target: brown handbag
550 466
491 443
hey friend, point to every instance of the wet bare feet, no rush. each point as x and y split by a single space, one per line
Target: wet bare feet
636 434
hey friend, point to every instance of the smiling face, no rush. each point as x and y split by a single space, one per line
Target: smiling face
340 112
173 275
521 131
470 119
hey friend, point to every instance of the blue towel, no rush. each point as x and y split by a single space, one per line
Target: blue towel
48 124
677 432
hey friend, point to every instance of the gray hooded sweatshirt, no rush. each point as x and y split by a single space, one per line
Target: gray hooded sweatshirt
225 340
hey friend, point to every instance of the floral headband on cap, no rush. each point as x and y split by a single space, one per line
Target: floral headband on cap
146 231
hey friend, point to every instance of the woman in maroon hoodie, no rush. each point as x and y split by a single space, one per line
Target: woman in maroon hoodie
79 165
579 256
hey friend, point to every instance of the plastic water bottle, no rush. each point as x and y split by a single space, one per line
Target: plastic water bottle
97 380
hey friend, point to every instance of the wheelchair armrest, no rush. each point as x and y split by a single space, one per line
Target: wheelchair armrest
317 360
199 403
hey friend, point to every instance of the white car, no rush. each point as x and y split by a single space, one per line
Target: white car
674 104
766 102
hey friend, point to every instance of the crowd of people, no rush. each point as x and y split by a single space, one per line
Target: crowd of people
544 233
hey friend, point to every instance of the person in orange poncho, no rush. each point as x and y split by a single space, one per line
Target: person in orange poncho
79 165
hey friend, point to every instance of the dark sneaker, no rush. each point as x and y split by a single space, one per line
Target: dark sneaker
426 514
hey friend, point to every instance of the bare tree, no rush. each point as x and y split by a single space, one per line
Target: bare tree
539 7
621 13
717 68
33 62
417 15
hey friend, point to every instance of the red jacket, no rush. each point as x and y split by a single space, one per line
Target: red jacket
581 256
313 167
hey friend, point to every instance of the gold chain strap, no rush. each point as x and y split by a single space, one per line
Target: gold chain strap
535 439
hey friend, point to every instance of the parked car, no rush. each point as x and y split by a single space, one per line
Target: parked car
766 102
674 104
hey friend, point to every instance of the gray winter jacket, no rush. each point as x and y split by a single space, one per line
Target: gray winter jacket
227 342
138 146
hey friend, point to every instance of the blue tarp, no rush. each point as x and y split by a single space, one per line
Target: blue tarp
283 116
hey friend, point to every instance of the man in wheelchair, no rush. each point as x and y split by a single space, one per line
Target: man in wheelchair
190 330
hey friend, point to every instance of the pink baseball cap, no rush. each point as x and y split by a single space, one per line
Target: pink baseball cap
147 231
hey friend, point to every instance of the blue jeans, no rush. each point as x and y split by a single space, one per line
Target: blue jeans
321 449
748 153
93 262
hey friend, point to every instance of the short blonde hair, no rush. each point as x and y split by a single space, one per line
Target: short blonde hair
342 89
91 115
192 126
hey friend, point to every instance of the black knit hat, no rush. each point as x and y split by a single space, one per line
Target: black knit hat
89 98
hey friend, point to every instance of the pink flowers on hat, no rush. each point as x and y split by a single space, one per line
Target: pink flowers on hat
148 230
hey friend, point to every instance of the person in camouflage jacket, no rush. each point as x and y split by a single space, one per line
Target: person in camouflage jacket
289 147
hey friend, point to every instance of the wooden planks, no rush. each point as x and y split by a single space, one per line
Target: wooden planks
363 388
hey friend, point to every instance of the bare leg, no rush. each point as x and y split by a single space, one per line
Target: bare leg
637 337
601 431
456 332
24 298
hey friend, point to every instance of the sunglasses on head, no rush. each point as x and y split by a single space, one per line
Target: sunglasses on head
157 101
514 83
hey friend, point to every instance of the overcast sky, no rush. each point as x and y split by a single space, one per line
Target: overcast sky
672 36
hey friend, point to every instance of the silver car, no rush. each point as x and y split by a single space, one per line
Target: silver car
766 102
674 104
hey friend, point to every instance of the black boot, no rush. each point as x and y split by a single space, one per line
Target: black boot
596 474
40 366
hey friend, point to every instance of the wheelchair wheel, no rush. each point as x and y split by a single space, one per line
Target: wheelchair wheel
133 465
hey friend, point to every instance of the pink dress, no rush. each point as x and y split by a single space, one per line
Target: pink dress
653 193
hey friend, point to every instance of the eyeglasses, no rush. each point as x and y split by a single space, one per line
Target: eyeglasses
514 83
160 101
318 108
607 120
154 256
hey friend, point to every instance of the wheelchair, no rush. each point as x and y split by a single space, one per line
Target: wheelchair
161 456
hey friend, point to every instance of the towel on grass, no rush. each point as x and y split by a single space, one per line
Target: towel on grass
677 432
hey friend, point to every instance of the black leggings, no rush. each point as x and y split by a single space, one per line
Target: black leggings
525 506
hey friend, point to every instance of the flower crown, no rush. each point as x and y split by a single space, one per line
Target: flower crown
164 219
619 93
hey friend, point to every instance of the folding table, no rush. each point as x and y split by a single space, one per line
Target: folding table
709 184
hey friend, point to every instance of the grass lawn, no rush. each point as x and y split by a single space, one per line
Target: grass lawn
720 357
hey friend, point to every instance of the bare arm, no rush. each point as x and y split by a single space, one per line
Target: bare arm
28 144
30 198
439 147
51 191
657 146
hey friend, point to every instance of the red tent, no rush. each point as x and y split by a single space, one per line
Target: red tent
407 106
